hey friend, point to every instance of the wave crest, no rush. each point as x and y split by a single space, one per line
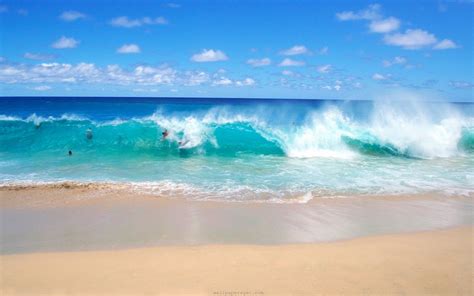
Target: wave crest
389 130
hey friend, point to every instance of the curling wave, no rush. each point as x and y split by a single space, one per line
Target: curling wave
323 133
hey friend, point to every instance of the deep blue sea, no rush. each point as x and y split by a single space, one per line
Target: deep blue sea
241 149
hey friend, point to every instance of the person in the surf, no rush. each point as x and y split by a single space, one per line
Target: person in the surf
70 153
89 134
182 143
164 134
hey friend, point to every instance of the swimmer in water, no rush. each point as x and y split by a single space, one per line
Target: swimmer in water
89 134
182 143
165 134
70 153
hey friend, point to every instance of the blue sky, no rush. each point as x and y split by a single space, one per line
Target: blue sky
270 49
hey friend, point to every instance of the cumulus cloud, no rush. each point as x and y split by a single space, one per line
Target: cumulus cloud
71 15
125 22
65 42
445 44
287 62
337 85
129 48
287 73
395 61
222 81
85 73
295 50
196 78
370 13
259 62
411 39
209 55
42 87
324 68
384 26
418 39
246 82
141 75
39 56
378 76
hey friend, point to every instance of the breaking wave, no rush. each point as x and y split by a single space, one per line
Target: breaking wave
328 132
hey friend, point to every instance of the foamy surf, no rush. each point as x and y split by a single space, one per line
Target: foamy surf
253 151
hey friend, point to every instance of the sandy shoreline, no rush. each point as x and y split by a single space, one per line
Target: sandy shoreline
79 219
96 241
436 262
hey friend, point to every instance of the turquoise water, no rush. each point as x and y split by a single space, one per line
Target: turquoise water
258 150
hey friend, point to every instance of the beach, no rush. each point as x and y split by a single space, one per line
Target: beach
78 239
236 148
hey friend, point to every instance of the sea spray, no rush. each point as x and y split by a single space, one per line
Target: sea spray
242 150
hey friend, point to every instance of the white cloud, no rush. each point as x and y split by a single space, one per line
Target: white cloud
337 85
209 55
461 84
295 50
125 22
287 73
287 62
42 87
65 42
196 78
85 73
39 56
246 82
324 68
222 81
259 62
384 26
378 76
445 44
139 76
411 39
395 61
71 15
370 13
129 48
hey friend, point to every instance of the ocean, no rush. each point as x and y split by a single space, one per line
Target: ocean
252 150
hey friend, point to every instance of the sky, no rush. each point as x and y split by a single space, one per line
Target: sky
242 49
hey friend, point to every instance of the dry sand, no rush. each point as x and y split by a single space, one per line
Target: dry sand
435 262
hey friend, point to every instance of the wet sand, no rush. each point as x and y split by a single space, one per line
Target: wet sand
43 219
436 263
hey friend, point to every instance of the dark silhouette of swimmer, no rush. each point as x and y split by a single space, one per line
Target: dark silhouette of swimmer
89 134
70 153
182 143
165 134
